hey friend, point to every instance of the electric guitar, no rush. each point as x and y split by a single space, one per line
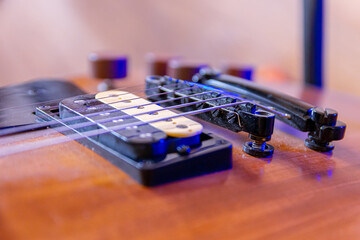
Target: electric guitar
164 158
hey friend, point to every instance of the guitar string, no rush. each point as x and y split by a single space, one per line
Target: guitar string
93 123
137 97
45 124
163 101
135 86
121 94
8 150
187 104
24 128
8 131
118 118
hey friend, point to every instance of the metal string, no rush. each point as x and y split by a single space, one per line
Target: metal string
87 124
136 86
105 120
48 123
92 123
24 128
79 135
176 106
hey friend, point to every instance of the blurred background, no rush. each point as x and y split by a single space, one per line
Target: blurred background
42 38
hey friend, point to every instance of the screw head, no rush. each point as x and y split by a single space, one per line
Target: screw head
310 143
183 150
257 152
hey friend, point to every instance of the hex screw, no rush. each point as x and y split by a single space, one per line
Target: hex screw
321 117
258 147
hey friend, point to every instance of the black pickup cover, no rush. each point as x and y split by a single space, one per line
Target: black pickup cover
151 160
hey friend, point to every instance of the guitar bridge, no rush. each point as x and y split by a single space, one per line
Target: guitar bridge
257 113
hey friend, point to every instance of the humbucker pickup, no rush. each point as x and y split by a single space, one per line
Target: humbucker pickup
133 105
150 143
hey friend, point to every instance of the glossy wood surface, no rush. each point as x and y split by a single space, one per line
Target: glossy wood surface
68 192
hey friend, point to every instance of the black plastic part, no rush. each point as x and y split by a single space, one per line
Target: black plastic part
18 103
142 142
319 147
297 109
267 151
245 117
321 124
328 129
181 161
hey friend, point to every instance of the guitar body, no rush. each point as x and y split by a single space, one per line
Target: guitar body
67 191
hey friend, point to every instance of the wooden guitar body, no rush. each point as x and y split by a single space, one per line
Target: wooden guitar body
66 191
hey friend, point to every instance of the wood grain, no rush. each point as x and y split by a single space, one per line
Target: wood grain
68 192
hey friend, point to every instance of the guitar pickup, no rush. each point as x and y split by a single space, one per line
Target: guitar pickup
150 143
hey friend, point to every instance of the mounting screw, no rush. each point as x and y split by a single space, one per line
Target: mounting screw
315 145
183 150
316 140
258 147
